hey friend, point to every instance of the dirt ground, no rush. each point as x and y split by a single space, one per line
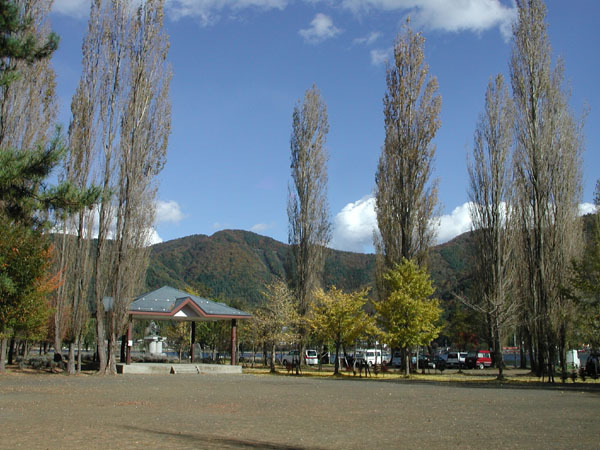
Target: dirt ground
285 412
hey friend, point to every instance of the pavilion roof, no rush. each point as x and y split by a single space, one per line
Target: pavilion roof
171 303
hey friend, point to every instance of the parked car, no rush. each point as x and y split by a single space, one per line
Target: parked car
456 359
573 359
440 362
310 357
479 359
592 365
426 362
396 360
371 356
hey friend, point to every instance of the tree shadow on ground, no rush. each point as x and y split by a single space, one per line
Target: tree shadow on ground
496 384
206 441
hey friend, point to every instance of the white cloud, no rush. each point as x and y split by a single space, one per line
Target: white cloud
453 224
209 11
379 57
221 226
169 211
153 237
587 208
321 28
261 227
354 225
369 39
74 8
150 235
447 15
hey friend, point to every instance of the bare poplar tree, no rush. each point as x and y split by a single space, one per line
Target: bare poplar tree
491 214
121 118
308 209
72 296
28 104
406 197
145 128
547 166
98 116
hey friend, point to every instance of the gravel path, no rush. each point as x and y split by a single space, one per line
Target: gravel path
281 412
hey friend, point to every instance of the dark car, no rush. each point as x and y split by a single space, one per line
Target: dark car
592 365
426 362
479 359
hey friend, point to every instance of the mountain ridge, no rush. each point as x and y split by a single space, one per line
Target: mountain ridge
235 265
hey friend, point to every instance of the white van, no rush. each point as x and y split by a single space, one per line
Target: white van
573 359
371 356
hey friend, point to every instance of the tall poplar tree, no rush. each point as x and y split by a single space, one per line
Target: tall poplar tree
547 165
28 102
491 214
405 194
122 112
308 209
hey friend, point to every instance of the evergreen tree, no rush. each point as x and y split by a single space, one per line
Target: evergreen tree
26 200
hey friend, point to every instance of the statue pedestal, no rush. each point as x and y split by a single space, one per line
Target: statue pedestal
154 345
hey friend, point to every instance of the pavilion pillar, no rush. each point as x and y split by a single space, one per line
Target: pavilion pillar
233 341
129 340
192 340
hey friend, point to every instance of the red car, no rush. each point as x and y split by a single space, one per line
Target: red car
478 359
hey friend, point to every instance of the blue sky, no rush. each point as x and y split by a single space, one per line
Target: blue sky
240 66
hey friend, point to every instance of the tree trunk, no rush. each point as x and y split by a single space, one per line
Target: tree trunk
406 361
532 357
540 356
71 363
124 347
79 355
272 360
111 363
57 345
101 345
11 350
336 370
522 357
498 356
3 345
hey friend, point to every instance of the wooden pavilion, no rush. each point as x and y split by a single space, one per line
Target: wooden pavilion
168 303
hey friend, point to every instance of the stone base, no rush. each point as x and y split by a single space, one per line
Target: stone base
164 368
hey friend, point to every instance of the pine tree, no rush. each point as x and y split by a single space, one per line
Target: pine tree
26 199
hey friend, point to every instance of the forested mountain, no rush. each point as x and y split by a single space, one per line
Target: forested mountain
235 265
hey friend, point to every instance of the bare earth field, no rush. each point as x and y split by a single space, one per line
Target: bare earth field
284 412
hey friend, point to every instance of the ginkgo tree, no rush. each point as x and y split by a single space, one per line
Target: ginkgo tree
408 316
340 317
276 320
